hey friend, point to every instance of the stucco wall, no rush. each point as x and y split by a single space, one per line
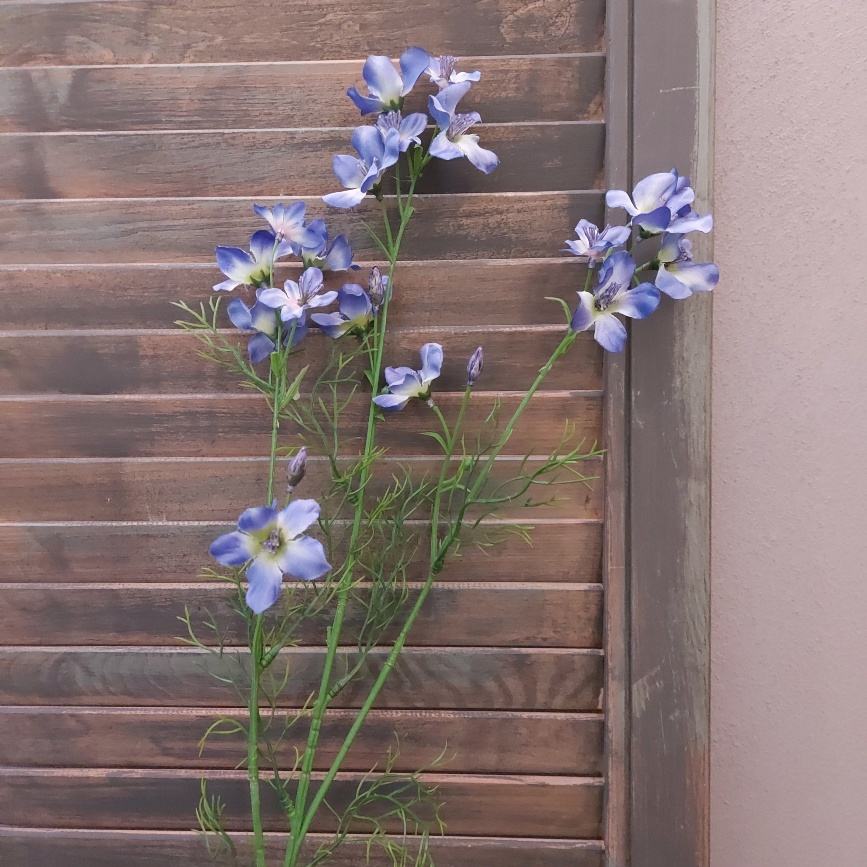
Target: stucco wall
789 719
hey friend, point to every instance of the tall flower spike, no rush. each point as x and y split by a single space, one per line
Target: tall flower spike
387 87
613 295
442 71
295 298
287 223
253 268
453 141
375 154
271 543
404 383
678 275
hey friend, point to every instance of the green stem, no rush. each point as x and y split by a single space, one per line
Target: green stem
253 744
298 832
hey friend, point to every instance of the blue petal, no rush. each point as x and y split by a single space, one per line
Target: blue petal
256 519
262 245
484 160
339 257
235 263
618 268
620 199
234 549
239 314
610 333
304 559
394 375
391 149
431 361
637 303
654 190
349 171
616 235
366 104
584 313
333 324
413 63
441 117
264 318
654 221
265 579
691 222
383 80
354 301
684 279
297 517
449 97
344 199
367 140
391 402
444 148
259 347
412 126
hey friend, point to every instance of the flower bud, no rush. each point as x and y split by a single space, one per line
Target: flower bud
474 367
377 287
296 469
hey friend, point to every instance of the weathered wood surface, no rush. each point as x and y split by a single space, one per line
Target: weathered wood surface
148 363
154 552
428 295
206 31
46 847
485 225
179 489
460 615
484 742
236 426
278 95
423 678
495 805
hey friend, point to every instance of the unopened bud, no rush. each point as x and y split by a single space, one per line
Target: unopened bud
377 287
296 469
474 367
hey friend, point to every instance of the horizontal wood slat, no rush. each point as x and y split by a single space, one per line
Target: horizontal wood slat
459 615
487 292
148 553
278 96
196 489
96 363
498 742
255 163
212 30
504 806
236 426
430 679
170 230
46 847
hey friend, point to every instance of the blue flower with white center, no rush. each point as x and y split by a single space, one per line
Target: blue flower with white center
612 295
287 224
375 154
678 275
452 141
295 298
593 244
272 544
263 320
355 313
253 268
442 71
408 128
659 202
404 383
386 85
336 256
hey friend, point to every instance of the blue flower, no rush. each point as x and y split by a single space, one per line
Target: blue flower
613 295
452 141
678 275
336 256
408 128
442 71
295 298
375 154
387 86
404 383
595 244
263 320
661 202
355 314
271 542
253 268
287 223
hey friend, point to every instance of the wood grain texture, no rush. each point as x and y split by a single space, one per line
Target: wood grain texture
460 615
484 742
147 363
46 847
483 226
479 292
212 30
424 678
195 489
277 96
166 553
236 426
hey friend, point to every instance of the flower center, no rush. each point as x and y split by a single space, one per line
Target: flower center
460 124
389 120
447 65
604 299
272 544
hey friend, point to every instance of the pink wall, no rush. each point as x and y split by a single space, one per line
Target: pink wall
789 718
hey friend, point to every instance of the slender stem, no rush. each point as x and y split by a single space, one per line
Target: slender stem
298 832
253 744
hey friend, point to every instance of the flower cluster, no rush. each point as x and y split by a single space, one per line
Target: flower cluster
661 204
378 147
